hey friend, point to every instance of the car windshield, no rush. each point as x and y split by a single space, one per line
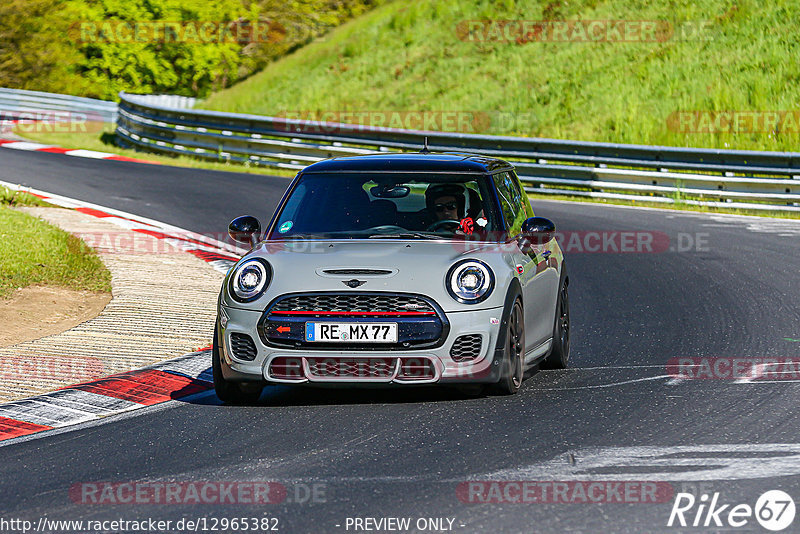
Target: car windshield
389 205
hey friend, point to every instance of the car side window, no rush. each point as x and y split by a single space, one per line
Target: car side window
512 201
523 196
290 211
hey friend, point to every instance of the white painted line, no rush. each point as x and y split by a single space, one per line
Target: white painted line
87 401
760 371
599 386
128 224
120 416
69 407
669 463
81 153
603 368
788 380
24 145
192 365
41 413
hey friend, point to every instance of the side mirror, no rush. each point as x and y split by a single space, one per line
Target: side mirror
538 230
245 229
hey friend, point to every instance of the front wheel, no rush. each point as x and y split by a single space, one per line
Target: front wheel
228 391
559 354
514 354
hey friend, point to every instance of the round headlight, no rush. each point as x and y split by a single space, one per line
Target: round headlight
470 281
249 280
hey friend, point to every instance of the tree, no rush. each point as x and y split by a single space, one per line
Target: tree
34 53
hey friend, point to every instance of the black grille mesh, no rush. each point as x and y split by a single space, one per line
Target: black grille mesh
352 302
466 348
351 367
243 347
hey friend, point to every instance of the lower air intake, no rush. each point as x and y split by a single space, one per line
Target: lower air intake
466 348
243 347
351 367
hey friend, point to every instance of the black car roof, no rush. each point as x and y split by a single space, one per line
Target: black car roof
432 162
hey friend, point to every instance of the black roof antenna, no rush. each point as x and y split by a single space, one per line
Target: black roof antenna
425 147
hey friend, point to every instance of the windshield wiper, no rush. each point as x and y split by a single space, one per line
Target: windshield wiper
407 235
291 237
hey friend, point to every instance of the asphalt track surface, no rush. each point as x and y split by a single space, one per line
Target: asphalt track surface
404 452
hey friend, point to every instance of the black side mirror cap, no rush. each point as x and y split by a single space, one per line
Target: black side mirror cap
245 229
538 230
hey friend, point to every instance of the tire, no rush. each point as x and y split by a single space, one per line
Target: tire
513 364
559 354
238 393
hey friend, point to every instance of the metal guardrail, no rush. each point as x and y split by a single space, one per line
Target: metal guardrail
727 178
25 104
20 103
172 101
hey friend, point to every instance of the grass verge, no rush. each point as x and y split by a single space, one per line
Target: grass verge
33 252
9 197
418 56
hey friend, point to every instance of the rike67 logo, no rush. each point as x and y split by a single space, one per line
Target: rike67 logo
774 510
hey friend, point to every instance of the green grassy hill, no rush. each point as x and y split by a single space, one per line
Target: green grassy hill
415 56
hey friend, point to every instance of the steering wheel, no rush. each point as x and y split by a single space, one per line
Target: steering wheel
435 226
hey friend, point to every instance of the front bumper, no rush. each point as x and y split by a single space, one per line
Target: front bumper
403 366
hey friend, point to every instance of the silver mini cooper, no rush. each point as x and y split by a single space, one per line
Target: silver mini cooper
397 269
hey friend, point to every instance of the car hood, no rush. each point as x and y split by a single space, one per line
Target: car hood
415 266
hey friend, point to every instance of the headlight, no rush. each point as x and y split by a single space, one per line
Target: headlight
249 280
470 281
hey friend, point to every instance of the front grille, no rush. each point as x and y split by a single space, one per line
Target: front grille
243 347
420 322
357 272
351 367
352 304
466 348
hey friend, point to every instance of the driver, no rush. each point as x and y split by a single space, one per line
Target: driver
445 202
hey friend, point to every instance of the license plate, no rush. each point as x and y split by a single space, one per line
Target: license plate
352 332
